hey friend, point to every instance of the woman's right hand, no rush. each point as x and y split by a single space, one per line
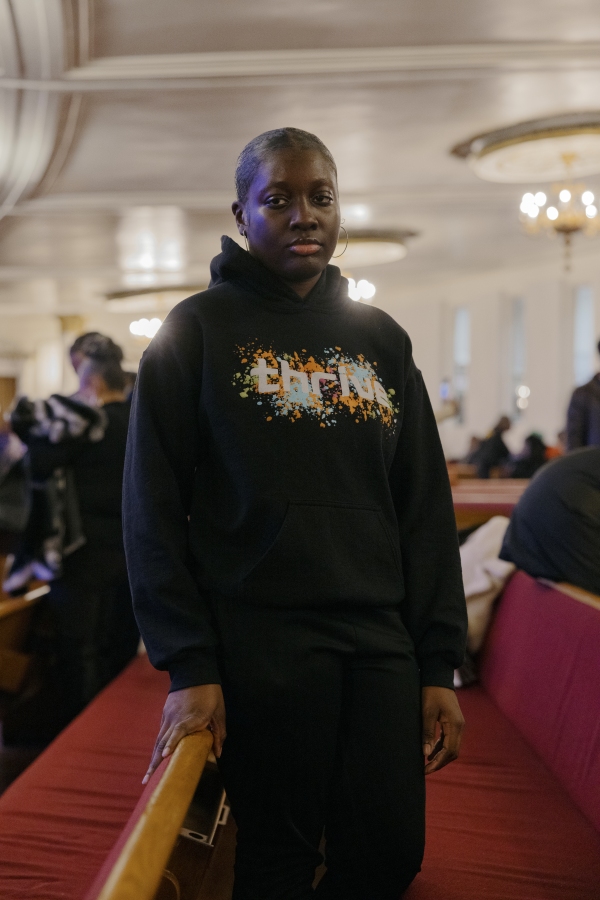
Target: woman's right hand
186 712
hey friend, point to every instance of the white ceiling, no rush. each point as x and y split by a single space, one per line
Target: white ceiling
148 103
124 27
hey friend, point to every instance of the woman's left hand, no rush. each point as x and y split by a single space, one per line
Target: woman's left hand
440 705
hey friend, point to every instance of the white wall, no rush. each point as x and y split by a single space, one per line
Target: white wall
426 311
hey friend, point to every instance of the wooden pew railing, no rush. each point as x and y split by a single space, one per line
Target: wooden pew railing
15 619
137 873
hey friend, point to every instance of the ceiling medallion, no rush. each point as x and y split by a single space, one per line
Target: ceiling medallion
535 151
557 149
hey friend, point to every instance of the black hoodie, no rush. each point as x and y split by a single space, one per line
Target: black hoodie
283 452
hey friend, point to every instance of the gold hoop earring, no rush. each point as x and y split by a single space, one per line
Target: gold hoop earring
346 247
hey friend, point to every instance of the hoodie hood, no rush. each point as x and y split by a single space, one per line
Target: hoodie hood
237 266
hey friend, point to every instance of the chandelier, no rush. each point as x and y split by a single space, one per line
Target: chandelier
568 209
556 149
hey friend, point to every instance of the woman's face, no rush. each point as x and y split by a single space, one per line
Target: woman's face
291 217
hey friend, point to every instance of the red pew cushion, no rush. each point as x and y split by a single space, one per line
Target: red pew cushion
499 824
542 668
60 819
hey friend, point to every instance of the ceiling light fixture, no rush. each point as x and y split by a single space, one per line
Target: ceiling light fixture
362 290
150 300
373 248
568 210
152 245
145 328
557 148
535 151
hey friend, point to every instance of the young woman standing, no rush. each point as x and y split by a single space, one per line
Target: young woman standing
292 548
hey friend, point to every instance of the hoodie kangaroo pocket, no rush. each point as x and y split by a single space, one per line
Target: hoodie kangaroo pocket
327 553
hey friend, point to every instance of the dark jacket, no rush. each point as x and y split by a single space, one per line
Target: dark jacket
554 530
583 416
297 436
97 468
491 453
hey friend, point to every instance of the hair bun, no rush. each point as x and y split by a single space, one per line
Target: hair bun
101 348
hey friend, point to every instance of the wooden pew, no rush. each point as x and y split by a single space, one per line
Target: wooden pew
478 500
154 826
15 619
518 814
576 592
76 822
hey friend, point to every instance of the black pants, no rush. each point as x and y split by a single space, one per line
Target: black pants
96 631
323 733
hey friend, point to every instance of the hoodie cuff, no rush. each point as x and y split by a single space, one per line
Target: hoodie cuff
194 668
436 672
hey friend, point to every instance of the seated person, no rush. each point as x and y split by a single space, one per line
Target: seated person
554 530
492 451
531 458
583 415
474 445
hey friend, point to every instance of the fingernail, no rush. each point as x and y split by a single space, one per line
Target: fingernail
166 751
427 749
145 779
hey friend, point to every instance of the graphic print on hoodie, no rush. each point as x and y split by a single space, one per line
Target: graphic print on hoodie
328 387
283 452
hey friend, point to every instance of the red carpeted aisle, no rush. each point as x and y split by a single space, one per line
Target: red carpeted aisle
500 826
59 820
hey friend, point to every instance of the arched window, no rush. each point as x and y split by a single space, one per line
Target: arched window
584 335
518 357
461 357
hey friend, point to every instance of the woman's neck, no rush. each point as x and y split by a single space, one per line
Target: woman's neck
302 288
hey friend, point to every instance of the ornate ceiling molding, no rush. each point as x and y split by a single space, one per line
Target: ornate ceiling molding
184 70
241 64
32 46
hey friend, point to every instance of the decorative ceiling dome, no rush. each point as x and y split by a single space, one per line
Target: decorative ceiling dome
548 149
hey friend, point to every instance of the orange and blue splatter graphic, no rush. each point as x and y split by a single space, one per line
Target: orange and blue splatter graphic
297 384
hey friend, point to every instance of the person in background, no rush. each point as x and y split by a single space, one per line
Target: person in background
583 415
91 344
474 446
492 451
15 492
554 530
532 457
96 630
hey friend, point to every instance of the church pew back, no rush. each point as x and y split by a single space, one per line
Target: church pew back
134 868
